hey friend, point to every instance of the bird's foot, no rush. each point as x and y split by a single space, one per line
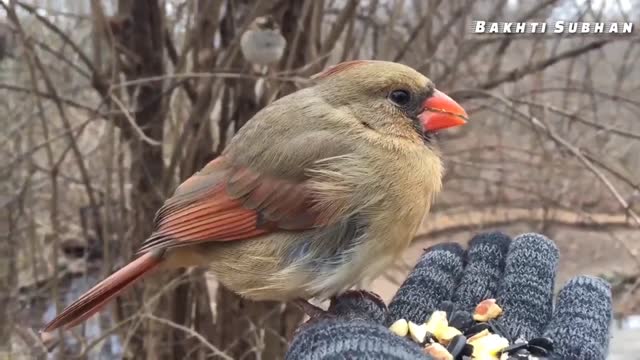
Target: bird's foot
313 311
358 295
359 304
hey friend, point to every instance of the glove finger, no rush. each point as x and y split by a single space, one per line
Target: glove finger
526 293
431 282
485 265
580 323
359 304
356 339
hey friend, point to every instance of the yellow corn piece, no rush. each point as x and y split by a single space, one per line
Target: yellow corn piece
448 334
489 345
437 323
418 332
400 327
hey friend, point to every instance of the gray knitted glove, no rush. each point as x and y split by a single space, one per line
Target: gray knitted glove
520 274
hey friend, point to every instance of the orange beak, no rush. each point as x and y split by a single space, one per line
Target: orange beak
441 112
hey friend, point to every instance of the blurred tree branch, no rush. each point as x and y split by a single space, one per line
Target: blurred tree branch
553 144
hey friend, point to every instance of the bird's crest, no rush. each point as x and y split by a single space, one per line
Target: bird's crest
339 68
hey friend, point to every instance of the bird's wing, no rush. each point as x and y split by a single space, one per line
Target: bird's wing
224 202
250 191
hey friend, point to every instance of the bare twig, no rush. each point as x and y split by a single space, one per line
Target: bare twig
132 122
528 69
564 143
191 332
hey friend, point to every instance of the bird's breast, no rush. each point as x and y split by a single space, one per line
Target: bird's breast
262 47
394 197
381 205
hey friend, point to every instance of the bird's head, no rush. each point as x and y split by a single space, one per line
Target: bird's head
266 22
390 98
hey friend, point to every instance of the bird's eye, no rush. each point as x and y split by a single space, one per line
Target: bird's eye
400 97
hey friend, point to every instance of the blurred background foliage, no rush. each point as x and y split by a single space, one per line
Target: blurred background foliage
107 105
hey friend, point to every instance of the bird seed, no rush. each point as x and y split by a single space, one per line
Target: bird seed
447 335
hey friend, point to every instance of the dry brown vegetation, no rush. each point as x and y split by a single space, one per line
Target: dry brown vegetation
108 105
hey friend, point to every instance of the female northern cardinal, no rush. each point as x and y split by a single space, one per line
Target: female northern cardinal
319 190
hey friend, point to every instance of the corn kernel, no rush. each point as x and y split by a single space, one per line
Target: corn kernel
448 334
400 327
418 332
488 345
437 323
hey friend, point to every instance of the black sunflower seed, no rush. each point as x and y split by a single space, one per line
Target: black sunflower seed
543 342
468 350
519 355
461 320
456 345
513 348
496 328
537 351
429 339
448 307
476 329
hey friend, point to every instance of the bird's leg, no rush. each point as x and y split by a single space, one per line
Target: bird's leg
271 89
364 294
310 309
357 303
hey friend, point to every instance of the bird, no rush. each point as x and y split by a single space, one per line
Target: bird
262 43
320 190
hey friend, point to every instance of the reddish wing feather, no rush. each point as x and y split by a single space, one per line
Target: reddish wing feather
225 203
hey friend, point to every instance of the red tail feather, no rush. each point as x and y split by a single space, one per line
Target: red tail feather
98 296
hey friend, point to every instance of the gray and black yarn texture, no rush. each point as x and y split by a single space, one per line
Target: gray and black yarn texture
519 273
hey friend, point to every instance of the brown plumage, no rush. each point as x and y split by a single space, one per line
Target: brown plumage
319 190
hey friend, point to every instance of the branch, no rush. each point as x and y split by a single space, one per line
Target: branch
33 56
65 38
519 73
338 26
620 132
132 121
177 64
49 96
191 332
586 89
536 123
444 222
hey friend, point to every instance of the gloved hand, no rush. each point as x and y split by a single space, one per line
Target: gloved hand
520 274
